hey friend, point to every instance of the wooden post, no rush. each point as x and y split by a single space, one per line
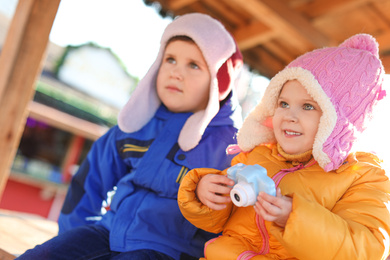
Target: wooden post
72 157
21 62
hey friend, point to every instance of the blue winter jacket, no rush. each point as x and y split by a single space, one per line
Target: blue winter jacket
146 167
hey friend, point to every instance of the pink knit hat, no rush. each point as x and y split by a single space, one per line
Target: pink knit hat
345 81
224 61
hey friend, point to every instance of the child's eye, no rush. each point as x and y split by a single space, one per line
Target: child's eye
194 65
283 104
170 60
308 107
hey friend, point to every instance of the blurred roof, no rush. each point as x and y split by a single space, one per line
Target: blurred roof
52 92
271 33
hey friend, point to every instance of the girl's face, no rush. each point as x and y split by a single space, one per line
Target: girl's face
183 80
296 118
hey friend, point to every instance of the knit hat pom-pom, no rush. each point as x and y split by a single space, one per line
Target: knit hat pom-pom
362 42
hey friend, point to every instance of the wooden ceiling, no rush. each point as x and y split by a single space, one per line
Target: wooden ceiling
271 33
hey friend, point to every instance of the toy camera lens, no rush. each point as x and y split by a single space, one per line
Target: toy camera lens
237 197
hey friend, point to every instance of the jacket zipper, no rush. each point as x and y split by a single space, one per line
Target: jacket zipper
246 255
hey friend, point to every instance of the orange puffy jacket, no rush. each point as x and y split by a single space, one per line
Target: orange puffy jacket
342 214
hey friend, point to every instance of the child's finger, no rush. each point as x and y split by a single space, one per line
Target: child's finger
261 211
219 198
278 193
222 179
220 189
276 201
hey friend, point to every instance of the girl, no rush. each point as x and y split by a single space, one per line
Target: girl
330 203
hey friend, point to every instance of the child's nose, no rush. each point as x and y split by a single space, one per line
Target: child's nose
176 73
291 115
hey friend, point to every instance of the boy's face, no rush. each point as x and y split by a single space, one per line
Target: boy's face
296 118
183 80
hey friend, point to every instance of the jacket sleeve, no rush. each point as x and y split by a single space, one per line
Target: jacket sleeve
97 175
195 211
357 227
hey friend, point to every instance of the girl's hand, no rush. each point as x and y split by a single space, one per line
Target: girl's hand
213 191
276 209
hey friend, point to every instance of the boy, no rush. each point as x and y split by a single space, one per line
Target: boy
181 116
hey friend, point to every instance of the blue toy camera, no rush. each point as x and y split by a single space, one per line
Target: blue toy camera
249 181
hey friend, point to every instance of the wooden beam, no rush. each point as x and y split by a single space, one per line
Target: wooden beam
316 9
298 22
4 255
384 42
262 12
252 35
175 5
281 51
224 10
266 64
20 64
10 51
64 121
386 62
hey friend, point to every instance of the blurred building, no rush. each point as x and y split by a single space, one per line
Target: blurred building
77 98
